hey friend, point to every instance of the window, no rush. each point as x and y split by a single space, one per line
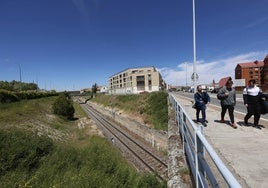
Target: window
149 77
140 78
140 82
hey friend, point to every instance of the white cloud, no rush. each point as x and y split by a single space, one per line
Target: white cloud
207 70
257 23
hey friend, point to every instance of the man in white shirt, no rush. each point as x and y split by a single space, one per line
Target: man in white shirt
251 96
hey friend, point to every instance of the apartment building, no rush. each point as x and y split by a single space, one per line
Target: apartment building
265 74
250 70
136 80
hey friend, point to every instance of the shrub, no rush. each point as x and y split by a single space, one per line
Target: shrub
63 106
22 150
157 108
7 96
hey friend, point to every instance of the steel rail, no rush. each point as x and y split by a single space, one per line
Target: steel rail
159 167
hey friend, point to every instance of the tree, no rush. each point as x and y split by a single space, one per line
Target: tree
63 106
94 90
17 86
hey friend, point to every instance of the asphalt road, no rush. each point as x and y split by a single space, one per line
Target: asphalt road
240 108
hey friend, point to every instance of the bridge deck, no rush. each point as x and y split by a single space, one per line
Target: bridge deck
244 150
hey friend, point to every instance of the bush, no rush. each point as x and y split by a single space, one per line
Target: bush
7 96
63 106
157 108
22 150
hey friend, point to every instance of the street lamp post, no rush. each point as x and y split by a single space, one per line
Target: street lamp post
20 76
194 50
186 75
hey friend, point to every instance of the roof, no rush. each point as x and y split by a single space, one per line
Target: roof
223 81
266 58
131 69
252 64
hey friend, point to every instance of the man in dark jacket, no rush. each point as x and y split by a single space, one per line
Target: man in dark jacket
251 96
227 96
201 99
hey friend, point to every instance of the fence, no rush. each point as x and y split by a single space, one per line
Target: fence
207 168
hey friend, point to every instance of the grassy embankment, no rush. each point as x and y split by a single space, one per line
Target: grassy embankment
152 107
62 155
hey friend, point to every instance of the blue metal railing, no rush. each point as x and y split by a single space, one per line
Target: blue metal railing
195 146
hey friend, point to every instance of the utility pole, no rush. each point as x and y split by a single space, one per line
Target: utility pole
186 74
20 76
194 50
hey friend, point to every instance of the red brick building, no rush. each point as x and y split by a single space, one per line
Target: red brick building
250 70
265 75
223 81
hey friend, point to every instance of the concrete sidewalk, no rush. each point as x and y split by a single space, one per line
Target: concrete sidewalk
243 150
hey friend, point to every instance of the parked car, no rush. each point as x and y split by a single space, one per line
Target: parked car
215 90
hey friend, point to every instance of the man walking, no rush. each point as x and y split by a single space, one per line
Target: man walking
227 96
251 96
201 99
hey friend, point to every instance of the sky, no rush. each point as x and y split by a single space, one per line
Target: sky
73 44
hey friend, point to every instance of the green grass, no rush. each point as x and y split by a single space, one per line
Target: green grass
153 107
157 108
78 160
18 112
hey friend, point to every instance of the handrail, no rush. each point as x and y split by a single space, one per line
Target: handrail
200 168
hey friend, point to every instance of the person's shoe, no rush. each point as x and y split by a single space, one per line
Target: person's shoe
245 122
206 121
257 126
234 125
204 124
222 121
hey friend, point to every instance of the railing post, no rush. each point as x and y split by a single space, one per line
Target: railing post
196 160
200 153
182 131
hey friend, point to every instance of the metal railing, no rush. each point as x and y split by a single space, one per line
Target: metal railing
207 170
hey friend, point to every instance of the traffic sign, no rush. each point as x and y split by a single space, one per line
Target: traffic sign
239 82
196 76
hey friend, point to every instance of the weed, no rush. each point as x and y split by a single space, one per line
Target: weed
29 160
153 107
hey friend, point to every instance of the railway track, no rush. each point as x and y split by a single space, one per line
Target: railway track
143 156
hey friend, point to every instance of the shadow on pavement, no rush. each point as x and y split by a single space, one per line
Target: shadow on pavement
242 123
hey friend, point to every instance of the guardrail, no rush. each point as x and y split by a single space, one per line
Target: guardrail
207 170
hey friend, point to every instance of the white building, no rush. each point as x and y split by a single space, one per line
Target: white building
136 80
103 89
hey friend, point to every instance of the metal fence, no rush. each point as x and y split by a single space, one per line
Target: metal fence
207 168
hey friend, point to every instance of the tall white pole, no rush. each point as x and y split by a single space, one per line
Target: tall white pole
20 76
186 74
194 49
